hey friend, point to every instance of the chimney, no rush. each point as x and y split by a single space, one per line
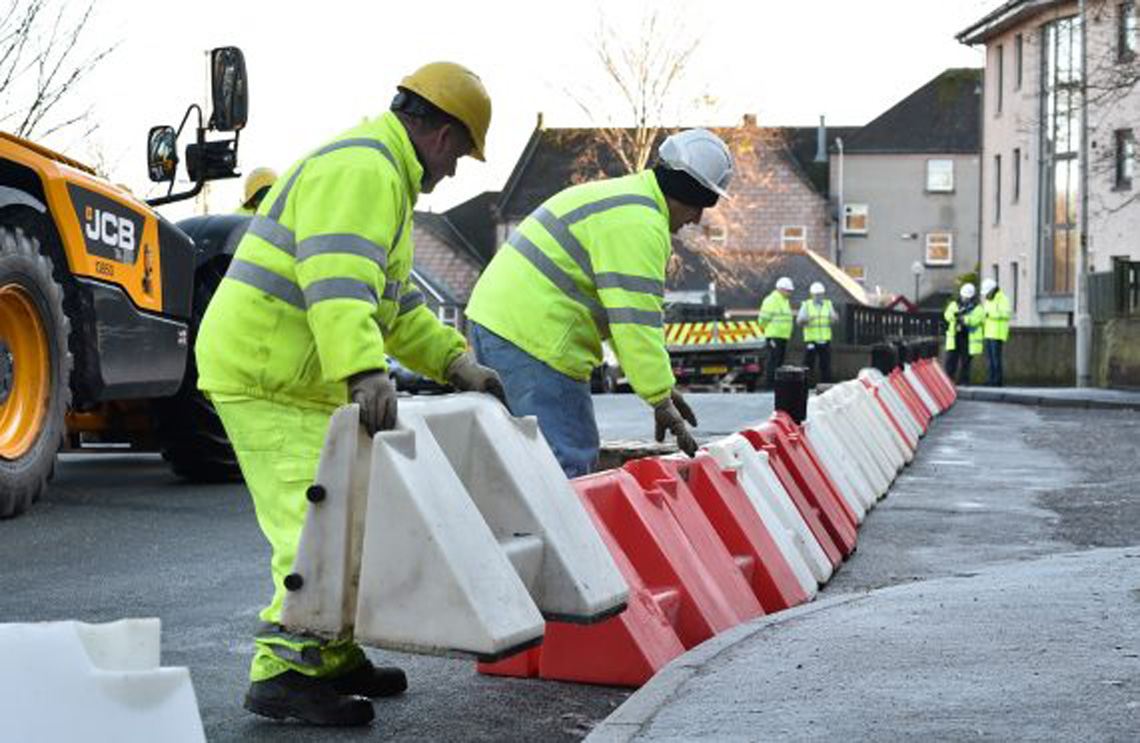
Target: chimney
749 121
821 142
538 123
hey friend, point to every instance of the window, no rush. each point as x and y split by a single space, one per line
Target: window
1018 50
855 218
449 315
939 249
999 78
996 272
715 232
793 239
997 189
1125 158
1126 41
858 273
1060 136
1013 283
940 176
1016 174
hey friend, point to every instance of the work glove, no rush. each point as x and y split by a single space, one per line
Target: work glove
375 393
670 414
466 375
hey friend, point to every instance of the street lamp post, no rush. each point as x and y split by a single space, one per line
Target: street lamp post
917 269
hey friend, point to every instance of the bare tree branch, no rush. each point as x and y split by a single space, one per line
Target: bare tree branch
43 59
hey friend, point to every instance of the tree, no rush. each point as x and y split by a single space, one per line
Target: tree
43 58
646 71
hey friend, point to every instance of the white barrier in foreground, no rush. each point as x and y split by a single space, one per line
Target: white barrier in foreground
455 533
70 681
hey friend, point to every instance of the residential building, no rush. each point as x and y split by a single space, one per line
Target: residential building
907 189
779 204
1031 147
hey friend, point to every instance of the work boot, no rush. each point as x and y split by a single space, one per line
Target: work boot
368 680
293 695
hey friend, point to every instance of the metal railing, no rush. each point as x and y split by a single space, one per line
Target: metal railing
1115 293
866 325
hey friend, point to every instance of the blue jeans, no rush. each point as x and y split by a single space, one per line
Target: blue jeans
562 404
993 359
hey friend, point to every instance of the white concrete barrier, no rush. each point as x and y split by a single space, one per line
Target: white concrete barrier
774 505
455 533
923 393
70 681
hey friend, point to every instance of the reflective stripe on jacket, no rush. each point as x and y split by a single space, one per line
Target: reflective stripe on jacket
588 264
318 287
776 316
950 315
997 317
818 328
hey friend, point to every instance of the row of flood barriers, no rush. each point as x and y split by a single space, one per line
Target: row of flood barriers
457 533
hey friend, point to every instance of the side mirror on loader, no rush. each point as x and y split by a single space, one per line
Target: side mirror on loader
205 160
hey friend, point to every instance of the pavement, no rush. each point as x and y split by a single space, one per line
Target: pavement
995 595
1056 397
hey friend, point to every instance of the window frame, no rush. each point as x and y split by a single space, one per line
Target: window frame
1015 197
785 239
856 210
949 241
857 272
446 309
929 163
1000 78
997 189
1018 60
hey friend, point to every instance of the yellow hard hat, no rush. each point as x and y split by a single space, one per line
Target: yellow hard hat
258 179
458 91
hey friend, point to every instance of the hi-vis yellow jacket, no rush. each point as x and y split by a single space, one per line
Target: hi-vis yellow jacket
586 265
776 316
318 287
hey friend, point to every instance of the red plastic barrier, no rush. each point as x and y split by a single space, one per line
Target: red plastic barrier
711 552
908 439
933 383
795 436
913 403
679 596
739 527
824 516
938 374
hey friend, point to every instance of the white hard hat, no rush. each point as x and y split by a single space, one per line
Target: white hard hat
988 285
701 154
785 284
816 288
967 291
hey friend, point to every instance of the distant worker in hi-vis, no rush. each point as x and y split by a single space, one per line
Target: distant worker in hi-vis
776 322
816 317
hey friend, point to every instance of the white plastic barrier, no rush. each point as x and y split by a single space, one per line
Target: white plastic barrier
920 388
837 469
889 395
455 533
897 438
826 410
775 507
866 426
70 681
845 459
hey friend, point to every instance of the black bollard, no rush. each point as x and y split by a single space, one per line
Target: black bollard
791 391
883 357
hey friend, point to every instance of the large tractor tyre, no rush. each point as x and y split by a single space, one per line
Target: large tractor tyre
190 431
35 367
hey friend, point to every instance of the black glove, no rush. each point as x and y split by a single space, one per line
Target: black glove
374 392
466 375
670 414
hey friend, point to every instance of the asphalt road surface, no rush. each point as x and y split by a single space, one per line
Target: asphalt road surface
118 536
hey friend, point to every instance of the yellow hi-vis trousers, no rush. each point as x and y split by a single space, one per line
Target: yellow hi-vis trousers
278 446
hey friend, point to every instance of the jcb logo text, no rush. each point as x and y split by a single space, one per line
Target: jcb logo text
109 229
